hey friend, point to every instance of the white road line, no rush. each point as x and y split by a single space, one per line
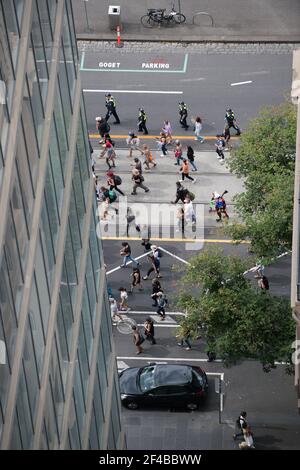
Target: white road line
129 262
273 259
259 72
174 256
192 79
152 92
126 358
240 83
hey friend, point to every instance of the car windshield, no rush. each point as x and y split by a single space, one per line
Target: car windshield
146 378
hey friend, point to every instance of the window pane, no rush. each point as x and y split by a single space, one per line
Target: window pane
42 286
11 27
36 326
24 414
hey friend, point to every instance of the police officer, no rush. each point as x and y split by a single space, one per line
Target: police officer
183 112
142 121
110 104
231 121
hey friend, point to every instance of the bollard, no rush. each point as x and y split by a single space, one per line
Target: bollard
119 43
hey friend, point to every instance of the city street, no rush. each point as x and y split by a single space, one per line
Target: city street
208 84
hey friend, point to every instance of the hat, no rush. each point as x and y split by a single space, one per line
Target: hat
131 134
216 194
110 173
98 118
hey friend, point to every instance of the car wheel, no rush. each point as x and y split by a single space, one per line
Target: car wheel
192 406
132 405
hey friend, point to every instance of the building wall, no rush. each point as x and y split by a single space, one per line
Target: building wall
58 385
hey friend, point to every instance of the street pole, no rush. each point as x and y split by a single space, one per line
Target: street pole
86 15
179 6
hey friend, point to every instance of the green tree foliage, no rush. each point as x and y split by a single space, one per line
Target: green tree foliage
237 319
265 158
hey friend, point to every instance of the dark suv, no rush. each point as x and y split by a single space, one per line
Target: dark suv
163 384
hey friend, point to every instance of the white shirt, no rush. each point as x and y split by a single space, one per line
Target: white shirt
189 212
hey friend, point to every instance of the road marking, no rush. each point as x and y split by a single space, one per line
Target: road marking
122 365
129 262
241 83
179 137
126 358
182 240
152 92
174 256
192 79
87 69
259 72
167 319
273 259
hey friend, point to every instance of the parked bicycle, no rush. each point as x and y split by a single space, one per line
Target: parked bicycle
157 17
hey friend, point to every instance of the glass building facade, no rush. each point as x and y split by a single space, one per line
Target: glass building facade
58 375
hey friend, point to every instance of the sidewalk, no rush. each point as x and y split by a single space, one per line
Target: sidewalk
234 21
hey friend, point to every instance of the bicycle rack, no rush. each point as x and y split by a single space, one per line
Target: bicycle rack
199 13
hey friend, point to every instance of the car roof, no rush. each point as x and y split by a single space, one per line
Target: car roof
172 374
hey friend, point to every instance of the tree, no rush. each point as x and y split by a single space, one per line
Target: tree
265 158
237 320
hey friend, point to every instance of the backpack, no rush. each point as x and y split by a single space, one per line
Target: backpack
142 178
118 180
160 253
112 195
191 196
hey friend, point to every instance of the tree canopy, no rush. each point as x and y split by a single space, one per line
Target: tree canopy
265 158
237 319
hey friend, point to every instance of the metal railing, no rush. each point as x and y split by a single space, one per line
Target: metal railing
196 18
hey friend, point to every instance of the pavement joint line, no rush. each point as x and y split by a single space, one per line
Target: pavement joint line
181 137
153 312
152 92
186 359
182 240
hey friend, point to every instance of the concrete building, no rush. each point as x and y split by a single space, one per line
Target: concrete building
58 375
295 288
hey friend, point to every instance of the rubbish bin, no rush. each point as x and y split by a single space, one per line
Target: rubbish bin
114 17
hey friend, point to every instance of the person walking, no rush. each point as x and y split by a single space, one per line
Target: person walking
227 136
220 146
189 213
167 130
180 220
248 442
162 144
114 181
137 165
185 171
185 337
242 419
148 158
103 128
133 143
155 266
162 303
178 152
131 220
138 180
142 118
198 129
231 121
191 157
138 339
110 104
149 330
126 253
183 113
136 280
156 287
263 283
220 205
123 299
181 193
110 154
114 309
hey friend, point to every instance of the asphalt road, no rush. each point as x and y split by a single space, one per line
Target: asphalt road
204 82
